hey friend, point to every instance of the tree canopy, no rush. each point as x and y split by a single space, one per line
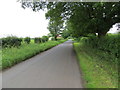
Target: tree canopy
81 18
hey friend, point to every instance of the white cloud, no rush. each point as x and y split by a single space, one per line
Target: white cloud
17 21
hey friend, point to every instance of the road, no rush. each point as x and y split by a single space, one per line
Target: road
54 68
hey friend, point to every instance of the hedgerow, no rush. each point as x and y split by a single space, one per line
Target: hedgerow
44 38
27 40
12 56
99 57
108 44
37 40
11 41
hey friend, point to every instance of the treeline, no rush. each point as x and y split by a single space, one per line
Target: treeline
40 40
13 41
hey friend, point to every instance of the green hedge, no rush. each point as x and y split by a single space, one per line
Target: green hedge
44 38
109 44
99 57
37 40
11 41
27 40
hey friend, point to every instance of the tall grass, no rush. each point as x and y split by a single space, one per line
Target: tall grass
11 56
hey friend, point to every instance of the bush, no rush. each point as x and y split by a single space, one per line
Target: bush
11 41
37 40
44 38
53 39
70 37
27 40
108 44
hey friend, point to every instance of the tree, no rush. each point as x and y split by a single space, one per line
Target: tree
54 28
84 17
87 17
65 34
67 31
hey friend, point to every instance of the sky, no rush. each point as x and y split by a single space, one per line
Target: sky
114 29
21 22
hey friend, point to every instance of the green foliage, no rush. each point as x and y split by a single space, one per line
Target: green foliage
44 38
108 44
11 41
65 34
49 35
12 56
55 28
37 40
99 68
83 17
53 39
27 40
62 40
99 57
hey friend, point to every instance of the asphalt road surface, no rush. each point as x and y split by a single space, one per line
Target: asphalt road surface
55 68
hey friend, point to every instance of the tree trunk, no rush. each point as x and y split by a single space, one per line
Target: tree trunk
55 37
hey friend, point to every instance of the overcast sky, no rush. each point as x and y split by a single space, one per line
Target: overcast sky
21 22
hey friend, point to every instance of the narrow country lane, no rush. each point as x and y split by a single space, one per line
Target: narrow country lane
55 68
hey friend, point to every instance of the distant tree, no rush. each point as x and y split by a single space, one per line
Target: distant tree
66 33
54 29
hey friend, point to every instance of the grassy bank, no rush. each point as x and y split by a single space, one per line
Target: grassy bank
12 56
99 68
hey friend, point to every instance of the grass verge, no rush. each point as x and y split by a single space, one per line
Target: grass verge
12 56
97 72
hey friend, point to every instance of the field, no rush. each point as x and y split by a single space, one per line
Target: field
98 60
14 55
